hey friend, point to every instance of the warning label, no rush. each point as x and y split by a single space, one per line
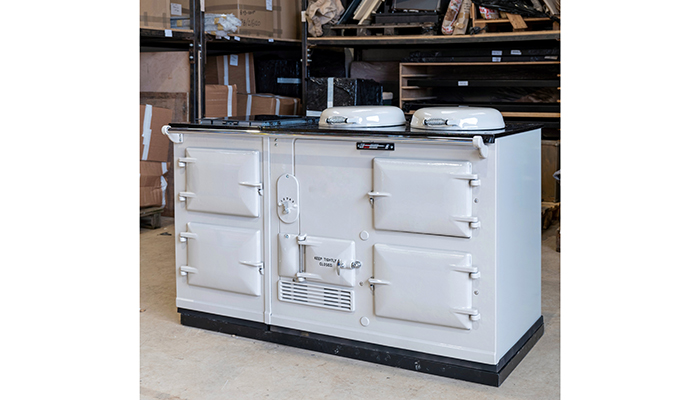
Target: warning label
326 261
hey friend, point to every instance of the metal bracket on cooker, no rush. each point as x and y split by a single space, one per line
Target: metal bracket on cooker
478 143
174 137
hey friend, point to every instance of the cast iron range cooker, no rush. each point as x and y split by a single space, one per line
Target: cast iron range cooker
414 245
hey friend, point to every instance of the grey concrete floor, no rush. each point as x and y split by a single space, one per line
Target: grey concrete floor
183 363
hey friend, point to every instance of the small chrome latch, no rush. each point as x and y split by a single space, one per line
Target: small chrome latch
343 265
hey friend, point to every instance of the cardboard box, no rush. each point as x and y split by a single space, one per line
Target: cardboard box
152 183
267 104
167 71
232 69
255 15
550 165
220 101
155 14
178 103
286 20
154 145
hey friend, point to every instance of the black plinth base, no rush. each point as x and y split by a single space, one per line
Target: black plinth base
487 374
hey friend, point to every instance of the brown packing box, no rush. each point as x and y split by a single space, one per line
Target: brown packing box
155 14
158 144
151 183
232 69
267 104
220 101
255 15
286 19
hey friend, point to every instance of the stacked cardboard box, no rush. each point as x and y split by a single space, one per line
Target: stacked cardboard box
272 19
233 69
154 155
155 14
267 104
220 101
238 71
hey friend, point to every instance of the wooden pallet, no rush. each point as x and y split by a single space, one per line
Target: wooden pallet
414 28
550 213
512 23
150 217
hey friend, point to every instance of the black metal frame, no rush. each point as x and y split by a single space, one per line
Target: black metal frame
487 374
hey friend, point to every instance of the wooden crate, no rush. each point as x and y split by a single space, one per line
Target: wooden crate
511 22
550 213
550 164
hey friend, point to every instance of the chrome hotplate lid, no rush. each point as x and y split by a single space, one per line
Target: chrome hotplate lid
361 117
457 119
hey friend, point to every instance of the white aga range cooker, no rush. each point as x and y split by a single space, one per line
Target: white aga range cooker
356 234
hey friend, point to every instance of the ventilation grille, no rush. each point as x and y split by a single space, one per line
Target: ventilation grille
317 295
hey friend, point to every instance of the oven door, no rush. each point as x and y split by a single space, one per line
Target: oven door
423 196
223 258
222 181
424 285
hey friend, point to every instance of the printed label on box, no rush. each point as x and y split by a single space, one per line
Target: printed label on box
496 53
463 83
233 60
515 52
175 9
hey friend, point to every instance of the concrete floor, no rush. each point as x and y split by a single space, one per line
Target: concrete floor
183 363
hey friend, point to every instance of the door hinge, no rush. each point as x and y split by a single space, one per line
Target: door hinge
474 222
471 312
472 178
184 270
473 272
183 161
182 196
187 235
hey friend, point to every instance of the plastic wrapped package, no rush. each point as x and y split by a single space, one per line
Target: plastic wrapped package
448 23
221 25
462 21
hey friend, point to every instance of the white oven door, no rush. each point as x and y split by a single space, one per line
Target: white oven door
223 258
222 181
424 285
423 196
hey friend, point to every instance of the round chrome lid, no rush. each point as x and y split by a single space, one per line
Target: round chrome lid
359 117
457 119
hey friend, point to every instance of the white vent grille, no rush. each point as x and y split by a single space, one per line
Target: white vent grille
317 295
